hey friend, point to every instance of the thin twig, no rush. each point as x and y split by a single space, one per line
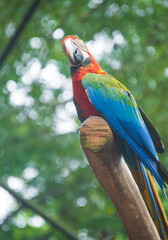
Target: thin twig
36 210
20 28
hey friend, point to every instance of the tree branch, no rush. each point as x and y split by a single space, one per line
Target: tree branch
112 172
36 210
20 28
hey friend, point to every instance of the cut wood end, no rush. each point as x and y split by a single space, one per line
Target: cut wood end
95 134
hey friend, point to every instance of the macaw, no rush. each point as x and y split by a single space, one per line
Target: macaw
97 93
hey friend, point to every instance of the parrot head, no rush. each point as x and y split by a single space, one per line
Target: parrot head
76 51
80 59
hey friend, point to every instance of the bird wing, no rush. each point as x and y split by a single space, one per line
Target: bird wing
153 132
113 100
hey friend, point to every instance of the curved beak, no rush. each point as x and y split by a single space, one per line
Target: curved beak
69 48
72 51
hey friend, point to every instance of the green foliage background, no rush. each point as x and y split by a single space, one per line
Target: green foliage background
66 188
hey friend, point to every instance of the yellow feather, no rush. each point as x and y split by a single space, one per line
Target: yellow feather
146 196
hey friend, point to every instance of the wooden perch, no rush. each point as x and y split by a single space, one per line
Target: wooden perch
112 172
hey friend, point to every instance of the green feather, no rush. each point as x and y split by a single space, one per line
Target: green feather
109 87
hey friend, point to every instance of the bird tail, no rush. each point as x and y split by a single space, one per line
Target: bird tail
160 208
151 197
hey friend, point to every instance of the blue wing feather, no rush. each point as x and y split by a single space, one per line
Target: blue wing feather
120 110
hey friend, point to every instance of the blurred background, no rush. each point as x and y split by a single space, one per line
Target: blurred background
48 190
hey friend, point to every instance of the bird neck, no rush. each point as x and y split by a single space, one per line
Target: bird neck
78 73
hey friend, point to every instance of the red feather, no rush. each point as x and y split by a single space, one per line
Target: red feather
84 107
